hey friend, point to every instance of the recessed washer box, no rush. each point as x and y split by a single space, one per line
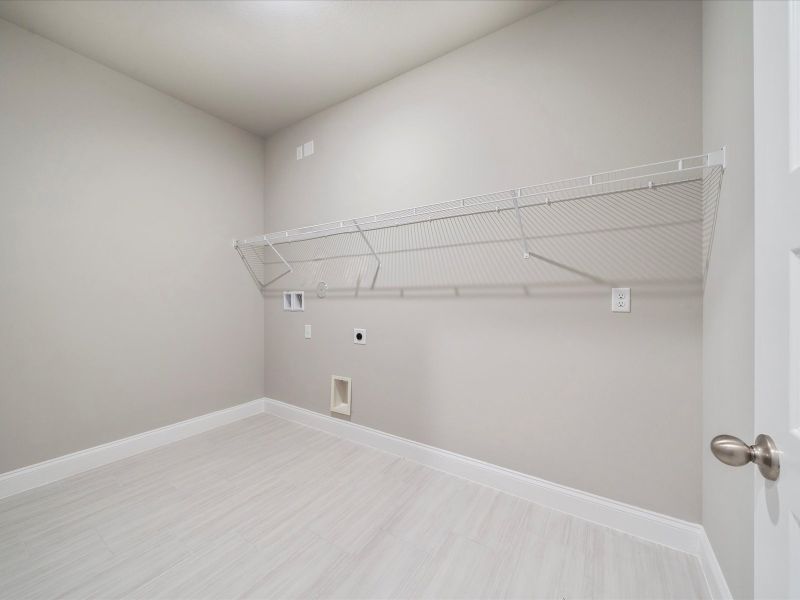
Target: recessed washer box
341 394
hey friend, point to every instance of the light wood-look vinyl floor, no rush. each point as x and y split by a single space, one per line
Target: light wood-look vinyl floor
265 508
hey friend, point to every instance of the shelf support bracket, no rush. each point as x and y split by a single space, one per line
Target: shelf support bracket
247 265
375 254
525 252
283 260
717 158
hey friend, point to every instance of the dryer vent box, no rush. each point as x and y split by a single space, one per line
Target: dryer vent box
341 394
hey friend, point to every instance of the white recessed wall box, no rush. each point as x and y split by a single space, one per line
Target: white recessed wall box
341 394
294 301
298 301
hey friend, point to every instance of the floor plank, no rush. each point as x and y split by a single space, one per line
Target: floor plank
268 508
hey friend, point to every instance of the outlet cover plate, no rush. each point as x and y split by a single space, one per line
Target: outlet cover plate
360 336
308 332
621 300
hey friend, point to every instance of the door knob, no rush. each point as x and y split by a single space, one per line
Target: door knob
733 451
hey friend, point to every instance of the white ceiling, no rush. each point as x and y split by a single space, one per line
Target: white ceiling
264 64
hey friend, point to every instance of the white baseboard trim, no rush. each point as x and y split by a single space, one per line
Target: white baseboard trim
49 471
655 527
639 522
662 529
711 569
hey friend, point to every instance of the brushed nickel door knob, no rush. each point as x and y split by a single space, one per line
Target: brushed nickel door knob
733 451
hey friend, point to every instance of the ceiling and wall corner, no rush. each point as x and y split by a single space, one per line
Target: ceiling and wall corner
264 65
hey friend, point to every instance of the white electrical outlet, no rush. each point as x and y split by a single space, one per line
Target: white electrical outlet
621 300
308 332
360 336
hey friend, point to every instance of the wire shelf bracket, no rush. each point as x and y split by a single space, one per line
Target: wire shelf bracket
372 250
523 238
262 284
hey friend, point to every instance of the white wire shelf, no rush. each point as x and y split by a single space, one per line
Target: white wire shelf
652 222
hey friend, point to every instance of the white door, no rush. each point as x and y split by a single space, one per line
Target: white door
776 61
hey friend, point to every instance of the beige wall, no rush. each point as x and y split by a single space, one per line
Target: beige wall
540 379
728 302
123 306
